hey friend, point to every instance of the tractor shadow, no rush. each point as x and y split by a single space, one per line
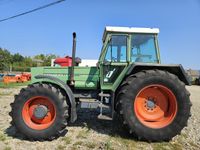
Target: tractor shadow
12 132
88 118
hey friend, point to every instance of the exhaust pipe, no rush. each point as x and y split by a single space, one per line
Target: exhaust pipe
72 82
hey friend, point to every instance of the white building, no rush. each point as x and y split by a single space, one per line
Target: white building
88 62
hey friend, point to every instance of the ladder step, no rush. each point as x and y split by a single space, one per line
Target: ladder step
104 95
104 106
104 117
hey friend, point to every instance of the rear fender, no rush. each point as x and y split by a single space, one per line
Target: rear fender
174 69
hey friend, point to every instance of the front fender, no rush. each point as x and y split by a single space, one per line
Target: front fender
66 88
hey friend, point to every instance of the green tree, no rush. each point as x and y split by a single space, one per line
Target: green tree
40 57
5 59
18 58
19 63
48 58
45 58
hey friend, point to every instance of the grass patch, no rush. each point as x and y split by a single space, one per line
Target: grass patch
2 137
4 94
176 146
83 134
194 145
90 145
7 148
184 135
158 146
126 143
12 85
78 143
108 145
66 140
61 147
166 146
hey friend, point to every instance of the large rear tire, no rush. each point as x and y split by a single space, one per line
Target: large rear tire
154 105
40 112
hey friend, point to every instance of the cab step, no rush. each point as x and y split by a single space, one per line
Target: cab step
104 117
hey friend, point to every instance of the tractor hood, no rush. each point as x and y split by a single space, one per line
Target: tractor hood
85 77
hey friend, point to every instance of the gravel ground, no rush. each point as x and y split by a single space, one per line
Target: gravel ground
90 133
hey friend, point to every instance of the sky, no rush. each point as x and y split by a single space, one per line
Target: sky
50 30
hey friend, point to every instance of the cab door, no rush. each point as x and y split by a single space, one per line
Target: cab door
114 61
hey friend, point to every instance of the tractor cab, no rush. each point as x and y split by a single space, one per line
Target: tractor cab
123 46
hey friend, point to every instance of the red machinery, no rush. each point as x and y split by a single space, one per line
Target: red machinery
23 77
64 62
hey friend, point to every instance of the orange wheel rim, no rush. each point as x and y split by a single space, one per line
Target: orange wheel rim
37 104
155 106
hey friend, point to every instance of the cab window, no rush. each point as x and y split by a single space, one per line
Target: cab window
143 48
116 49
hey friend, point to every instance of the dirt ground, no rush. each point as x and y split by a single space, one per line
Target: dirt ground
90 133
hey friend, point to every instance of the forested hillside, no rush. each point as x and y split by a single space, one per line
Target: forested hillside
18 62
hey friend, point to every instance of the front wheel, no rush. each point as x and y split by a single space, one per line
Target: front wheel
40 112
154 104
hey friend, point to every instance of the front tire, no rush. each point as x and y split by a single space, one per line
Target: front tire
154 105
40 112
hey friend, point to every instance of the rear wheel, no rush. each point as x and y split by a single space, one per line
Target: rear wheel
154 105
40 112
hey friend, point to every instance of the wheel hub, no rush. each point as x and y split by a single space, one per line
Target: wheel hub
150 103
40 111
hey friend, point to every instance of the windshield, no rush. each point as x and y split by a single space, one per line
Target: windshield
143 48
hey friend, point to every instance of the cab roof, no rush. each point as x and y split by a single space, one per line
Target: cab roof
129 30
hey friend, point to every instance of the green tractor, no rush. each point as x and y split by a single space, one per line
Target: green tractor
150 98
